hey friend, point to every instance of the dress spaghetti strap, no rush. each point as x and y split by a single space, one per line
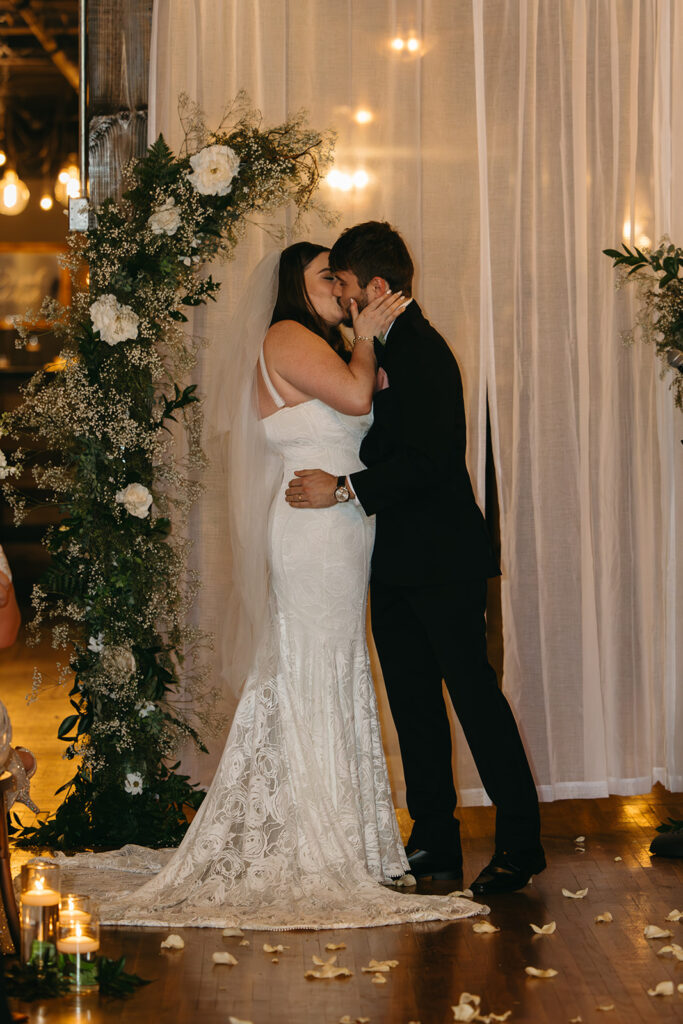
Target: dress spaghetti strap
278 399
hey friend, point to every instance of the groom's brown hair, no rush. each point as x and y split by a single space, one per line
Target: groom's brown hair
374 249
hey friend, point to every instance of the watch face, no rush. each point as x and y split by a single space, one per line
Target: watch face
342 493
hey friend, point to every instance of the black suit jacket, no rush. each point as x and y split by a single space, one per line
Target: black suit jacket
430 529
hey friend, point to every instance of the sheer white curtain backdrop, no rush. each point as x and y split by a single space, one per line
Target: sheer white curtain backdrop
510 144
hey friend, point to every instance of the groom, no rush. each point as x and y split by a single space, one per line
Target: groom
430 564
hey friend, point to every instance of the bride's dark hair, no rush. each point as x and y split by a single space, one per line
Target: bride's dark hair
292 301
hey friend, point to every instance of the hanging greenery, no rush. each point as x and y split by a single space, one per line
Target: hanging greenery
656 274
118 589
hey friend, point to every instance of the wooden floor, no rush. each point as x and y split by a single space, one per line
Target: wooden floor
599 965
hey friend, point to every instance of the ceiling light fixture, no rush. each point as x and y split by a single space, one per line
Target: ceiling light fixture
14 194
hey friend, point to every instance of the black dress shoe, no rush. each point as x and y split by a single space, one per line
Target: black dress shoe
440 867
507 872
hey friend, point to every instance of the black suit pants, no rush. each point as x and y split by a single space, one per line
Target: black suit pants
425 635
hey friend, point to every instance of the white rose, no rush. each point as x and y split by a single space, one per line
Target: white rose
133 783
136 499
213 169
166 219
120 660
145 708
114 322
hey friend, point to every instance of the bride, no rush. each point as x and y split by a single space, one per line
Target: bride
297 829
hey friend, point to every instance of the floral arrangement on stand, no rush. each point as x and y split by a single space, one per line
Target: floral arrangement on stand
95 431
656 274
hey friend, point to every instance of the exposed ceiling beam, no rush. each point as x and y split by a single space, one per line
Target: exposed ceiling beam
47 41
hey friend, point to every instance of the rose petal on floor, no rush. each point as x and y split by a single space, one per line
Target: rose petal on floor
537 972
675 915
580 839
229 933
467 893
576 1020
173 942
238 1020
267 948
618 859
653 931
224 958
605 918
673 948
245 942
331 946
379 965
664 988
578 895
484 928
327 969
605 1008
379 979
546 929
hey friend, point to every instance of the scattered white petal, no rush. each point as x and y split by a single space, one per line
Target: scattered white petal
273 949
244 942
379 979
605 918
675 915
224 958
489 1018
537 972
467 1008
230 932
576 1020
353 1020
664 988
674 948
653 931
484 928
238 1020
331 946
617 859
680 988
546 929
173 942
327 969
467 893
606 1008
578 895
275 960
379 965
580 839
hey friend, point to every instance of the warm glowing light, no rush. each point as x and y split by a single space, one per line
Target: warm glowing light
626 230
363 116
3 158
345 182
413 44
644 242
398 44
14 195
68 184
46 202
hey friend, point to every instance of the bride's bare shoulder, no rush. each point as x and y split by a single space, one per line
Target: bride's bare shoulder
288 333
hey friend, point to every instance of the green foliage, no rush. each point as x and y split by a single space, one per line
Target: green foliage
29 982
657 274
118 589
32 981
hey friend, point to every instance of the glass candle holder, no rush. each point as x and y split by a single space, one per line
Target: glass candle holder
39 911
78 940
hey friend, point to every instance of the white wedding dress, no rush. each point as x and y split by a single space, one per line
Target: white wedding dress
298 829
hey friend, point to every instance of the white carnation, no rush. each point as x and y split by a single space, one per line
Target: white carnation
145 708
166 218
114 322
136 499
96 643
213 170
133 783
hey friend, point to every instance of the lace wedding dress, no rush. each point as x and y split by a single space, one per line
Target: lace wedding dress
298 828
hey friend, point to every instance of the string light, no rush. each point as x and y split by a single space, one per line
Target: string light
3 158
363 116
46 202
344 181
14 194
398 44
68 183
412 45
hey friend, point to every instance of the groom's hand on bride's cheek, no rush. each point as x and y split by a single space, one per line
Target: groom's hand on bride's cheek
311 488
